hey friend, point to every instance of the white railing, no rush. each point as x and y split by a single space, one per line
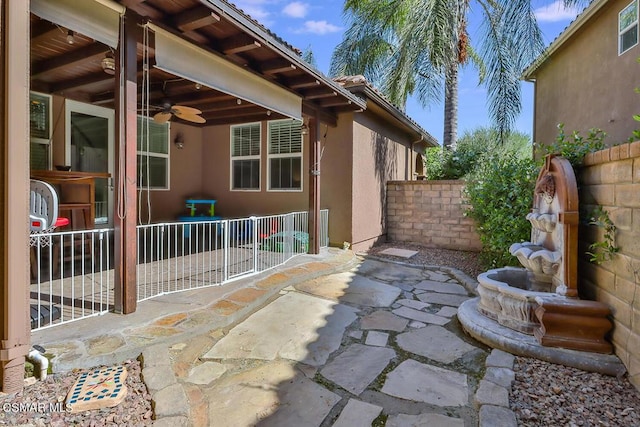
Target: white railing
71 276
72 272
173 257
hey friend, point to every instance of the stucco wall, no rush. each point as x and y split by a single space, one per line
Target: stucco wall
585 84
611 179
430 213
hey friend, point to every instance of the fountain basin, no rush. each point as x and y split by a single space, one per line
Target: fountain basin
508 296
542 262
544 222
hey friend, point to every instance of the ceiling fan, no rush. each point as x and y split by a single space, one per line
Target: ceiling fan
183 112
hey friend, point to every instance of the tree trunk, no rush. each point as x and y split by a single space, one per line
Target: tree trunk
450 106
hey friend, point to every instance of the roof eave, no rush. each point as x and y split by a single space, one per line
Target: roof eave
255 30
585 16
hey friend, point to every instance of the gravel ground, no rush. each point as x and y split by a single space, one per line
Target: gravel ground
543 394
135 410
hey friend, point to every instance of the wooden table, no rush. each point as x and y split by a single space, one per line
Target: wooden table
76 191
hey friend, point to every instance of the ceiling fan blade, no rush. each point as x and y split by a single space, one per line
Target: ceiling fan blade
162 117
190 117
185 110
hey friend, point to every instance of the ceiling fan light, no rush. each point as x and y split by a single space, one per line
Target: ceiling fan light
109 64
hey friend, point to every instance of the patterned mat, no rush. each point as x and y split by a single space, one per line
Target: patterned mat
99 388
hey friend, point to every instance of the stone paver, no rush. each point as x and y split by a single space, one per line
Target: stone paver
413 380
402 253
434 342
501 376
206 373
447 311
356 367
378 339
489 393
412 303
443 299
445 288
275 394
497 416
421 316
403 420
500 359
352 288
383 320
357 414
295 327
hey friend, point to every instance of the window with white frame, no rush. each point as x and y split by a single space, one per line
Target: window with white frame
628 27
285 155
245 157
153 154
40 130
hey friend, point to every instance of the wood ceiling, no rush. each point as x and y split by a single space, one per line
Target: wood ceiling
75 71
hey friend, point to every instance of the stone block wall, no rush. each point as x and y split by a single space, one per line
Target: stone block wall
430 213
611 178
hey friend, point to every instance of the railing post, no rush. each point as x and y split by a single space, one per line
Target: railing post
225 249
254 229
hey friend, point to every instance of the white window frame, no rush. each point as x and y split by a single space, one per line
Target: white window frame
623 31
47 140
289 155
145 153
257 157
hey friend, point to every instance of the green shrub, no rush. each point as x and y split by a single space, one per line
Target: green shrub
500 192
574 147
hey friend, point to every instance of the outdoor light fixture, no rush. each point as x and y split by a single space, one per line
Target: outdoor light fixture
70 38
109 64
179 141
198 86
304 129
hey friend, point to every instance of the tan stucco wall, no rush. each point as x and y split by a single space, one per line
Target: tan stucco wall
611 179
585 84
216 179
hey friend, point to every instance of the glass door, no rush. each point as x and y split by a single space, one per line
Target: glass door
89 148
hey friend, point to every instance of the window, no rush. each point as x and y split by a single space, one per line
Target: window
40 130
628 27
285 155
245 157
153 165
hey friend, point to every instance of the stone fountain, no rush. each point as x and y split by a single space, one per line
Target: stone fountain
535 310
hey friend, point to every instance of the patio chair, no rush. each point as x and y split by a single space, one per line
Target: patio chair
43 216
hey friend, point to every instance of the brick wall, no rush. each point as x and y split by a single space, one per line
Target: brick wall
611 178
430 213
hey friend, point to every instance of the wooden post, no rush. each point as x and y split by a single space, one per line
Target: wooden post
125 169
14 188
314 185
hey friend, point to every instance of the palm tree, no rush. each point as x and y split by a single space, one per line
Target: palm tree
409 47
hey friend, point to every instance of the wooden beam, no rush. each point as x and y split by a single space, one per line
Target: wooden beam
277 66
125 171
195 18
82 54
325 116
249 111
143 9
239 43
80 82
14 192
301 82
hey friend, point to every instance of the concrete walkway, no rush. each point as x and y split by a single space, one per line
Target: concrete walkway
336 340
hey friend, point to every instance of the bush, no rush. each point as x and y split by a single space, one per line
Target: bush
500 192
575 146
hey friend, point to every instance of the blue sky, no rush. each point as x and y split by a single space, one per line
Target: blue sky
319 25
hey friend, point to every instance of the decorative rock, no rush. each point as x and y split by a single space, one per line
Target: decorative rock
413 380
420 316
357 414
403 420
497 416
356 367
377 339
489 393
100 388
434 342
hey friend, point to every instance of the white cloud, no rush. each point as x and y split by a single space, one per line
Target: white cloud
556 12
255 9
319 27
296 9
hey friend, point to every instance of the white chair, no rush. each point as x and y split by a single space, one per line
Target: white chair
43 216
